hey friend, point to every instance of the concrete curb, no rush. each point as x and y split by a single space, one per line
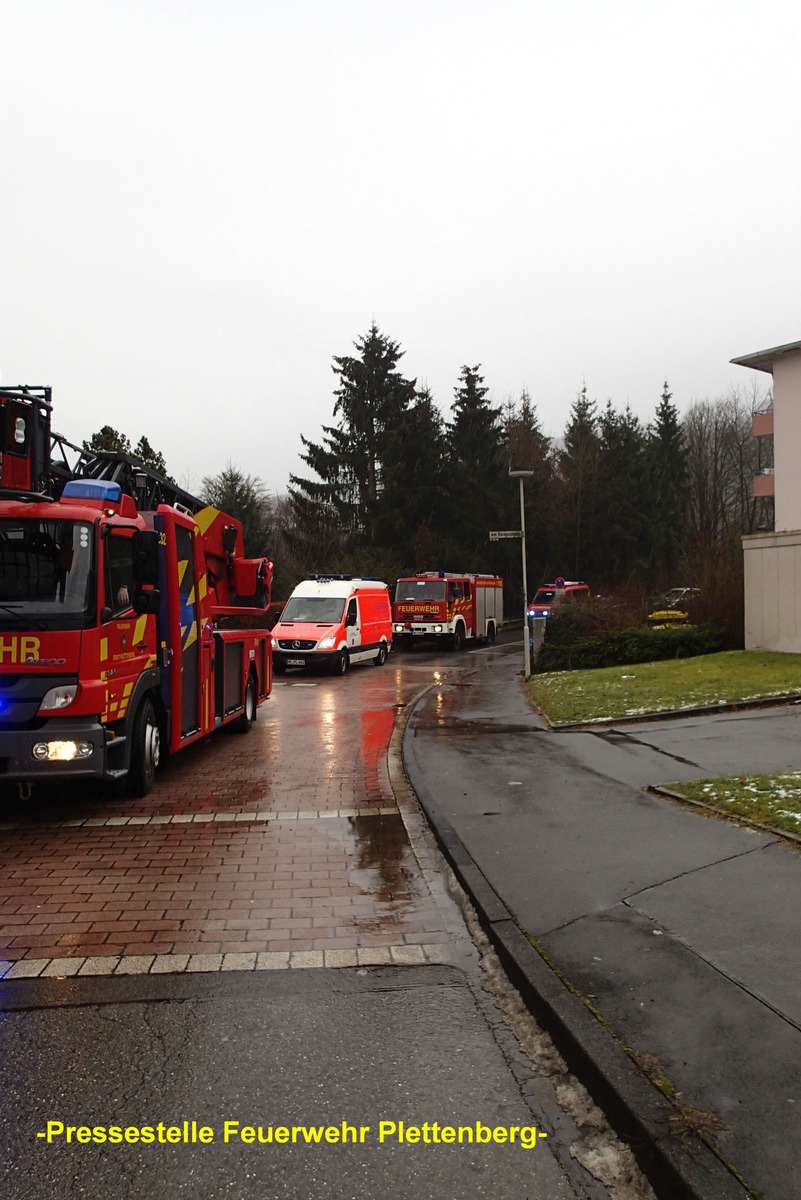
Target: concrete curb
668 714
677 1169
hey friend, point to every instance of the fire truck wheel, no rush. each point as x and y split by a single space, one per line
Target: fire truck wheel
381 657
249 711
342 663
145 750
490 633
457 640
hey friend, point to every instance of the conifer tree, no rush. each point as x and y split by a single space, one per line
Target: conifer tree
622 550
578 465
665 494
356 462
528 448
477 475
414 474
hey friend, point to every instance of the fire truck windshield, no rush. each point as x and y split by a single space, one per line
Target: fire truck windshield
46 572
314 610
420 589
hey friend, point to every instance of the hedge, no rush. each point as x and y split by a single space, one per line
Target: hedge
576 639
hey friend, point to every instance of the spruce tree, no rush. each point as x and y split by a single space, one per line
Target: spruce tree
665 495
578 467
356 462
477 475
528 448
414 477
622 546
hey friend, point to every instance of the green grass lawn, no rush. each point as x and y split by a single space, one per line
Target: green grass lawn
773 800
735 676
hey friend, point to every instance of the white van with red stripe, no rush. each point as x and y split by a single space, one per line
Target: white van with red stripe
332 621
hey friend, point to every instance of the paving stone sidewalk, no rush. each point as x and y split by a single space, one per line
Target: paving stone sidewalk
282 848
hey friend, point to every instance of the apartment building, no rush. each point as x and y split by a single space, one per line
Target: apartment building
772 558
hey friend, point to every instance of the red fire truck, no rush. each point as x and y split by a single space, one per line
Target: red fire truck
446 607
122 601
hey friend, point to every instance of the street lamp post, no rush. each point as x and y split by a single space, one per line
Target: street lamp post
521 475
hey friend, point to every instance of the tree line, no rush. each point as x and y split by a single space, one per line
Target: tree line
632 507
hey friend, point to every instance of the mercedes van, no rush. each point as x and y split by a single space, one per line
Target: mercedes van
332 621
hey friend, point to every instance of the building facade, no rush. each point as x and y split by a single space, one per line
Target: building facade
772 559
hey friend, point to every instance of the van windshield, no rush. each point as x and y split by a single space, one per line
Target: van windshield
314 610
545 596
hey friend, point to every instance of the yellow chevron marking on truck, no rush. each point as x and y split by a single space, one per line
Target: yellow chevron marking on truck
206 518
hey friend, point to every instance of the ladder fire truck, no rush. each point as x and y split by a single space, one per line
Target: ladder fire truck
122 605
446 607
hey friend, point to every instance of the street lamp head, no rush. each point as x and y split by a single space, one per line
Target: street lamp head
520 474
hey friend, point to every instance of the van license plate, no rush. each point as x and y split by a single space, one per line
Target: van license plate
296 662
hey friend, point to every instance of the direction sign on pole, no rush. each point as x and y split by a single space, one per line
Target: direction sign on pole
497 534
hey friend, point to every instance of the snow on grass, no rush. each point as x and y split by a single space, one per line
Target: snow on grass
773 800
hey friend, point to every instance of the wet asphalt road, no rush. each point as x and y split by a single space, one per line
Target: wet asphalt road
267 939
681 928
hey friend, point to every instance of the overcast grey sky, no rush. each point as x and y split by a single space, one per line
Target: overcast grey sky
203 201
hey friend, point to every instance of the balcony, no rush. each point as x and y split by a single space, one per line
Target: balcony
762 424
764 481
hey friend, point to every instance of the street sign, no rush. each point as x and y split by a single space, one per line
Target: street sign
497 534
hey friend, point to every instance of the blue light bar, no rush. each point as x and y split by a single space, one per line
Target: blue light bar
92 489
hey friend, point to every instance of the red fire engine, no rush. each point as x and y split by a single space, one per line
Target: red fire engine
121 606
446 607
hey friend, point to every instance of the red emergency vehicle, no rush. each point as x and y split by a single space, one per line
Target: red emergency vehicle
550 595
122 601
447 607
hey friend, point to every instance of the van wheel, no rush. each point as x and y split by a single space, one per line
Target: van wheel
381 657
278 667
342 663
145 751
248 717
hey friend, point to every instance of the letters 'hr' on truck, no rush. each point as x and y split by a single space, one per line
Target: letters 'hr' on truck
446 607
118 621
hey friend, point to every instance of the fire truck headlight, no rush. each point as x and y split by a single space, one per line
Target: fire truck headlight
326 643
61 751
59 697
437 629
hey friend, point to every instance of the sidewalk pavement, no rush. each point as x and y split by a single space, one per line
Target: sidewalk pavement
639 930
284 848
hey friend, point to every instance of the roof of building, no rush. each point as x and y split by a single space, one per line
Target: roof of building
763 360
